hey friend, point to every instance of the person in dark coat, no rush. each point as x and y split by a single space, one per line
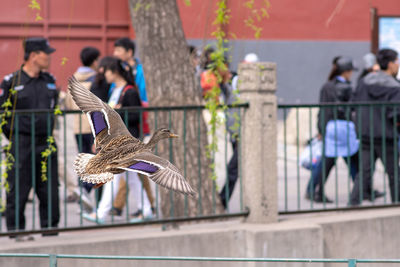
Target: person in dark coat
378 127
35 89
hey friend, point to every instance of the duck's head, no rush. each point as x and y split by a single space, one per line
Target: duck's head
162 133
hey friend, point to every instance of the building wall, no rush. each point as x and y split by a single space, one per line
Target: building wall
291 19
302 37
69 25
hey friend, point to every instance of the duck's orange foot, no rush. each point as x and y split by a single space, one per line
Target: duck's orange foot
98 185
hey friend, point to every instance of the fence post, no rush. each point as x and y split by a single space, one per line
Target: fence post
257 86
53 260
352 263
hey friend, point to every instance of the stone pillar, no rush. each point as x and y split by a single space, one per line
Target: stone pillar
257 86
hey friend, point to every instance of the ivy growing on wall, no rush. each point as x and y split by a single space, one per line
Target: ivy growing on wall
218 57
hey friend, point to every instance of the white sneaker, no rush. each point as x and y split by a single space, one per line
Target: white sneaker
147 213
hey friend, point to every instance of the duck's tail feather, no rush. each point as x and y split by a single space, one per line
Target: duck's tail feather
81 162
100 178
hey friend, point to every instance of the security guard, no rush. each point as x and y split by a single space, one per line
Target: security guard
35 89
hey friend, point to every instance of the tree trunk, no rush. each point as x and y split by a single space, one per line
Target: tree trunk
170 81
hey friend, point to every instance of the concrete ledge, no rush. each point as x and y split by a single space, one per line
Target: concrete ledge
364 234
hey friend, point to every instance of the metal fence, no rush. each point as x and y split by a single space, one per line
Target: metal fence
72 215
53 258
348 156
298 127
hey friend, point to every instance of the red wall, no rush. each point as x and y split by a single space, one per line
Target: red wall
70 25
291 19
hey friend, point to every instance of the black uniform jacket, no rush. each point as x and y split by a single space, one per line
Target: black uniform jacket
31 93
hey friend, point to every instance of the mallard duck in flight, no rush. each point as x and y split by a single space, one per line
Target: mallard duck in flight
118 150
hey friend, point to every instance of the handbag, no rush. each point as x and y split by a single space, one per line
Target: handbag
311 155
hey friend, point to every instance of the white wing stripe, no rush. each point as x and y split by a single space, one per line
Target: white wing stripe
108 123
91 124
130 170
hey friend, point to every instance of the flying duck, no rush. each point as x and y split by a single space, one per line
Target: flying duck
118 150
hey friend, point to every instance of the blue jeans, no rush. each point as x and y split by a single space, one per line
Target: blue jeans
317 180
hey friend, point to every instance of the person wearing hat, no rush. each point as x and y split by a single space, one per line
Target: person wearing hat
370 65
378 137
338 133
35 89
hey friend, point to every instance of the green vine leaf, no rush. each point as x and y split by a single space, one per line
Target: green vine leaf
64 61
45 155
257 34
38 17
264 13
7 104
256 15
137 7
187 2
34 5
57 110
233 35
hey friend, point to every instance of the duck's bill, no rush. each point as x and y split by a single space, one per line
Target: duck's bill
173 135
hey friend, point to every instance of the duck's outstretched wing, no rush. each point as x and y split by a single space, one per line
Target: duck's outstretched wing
105 122
159 170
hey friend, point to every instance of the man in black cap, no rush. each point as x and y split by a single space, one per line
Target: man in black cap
377 127
34 89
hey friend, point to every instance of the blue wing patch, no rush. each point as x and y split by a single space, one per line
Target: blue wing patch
144 166
99 123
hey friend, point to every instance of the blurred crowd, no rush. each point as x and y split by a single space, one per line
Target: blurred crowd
358 133
117 80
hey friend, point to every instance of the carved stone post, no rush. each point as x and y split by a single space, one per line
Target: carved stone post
257 86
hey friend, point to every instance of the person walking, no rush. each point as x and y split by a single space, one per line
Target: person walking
230 96
124 49
378 138
85 74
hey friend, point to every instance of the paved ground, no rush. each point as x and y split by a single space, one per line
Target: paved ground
292 186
